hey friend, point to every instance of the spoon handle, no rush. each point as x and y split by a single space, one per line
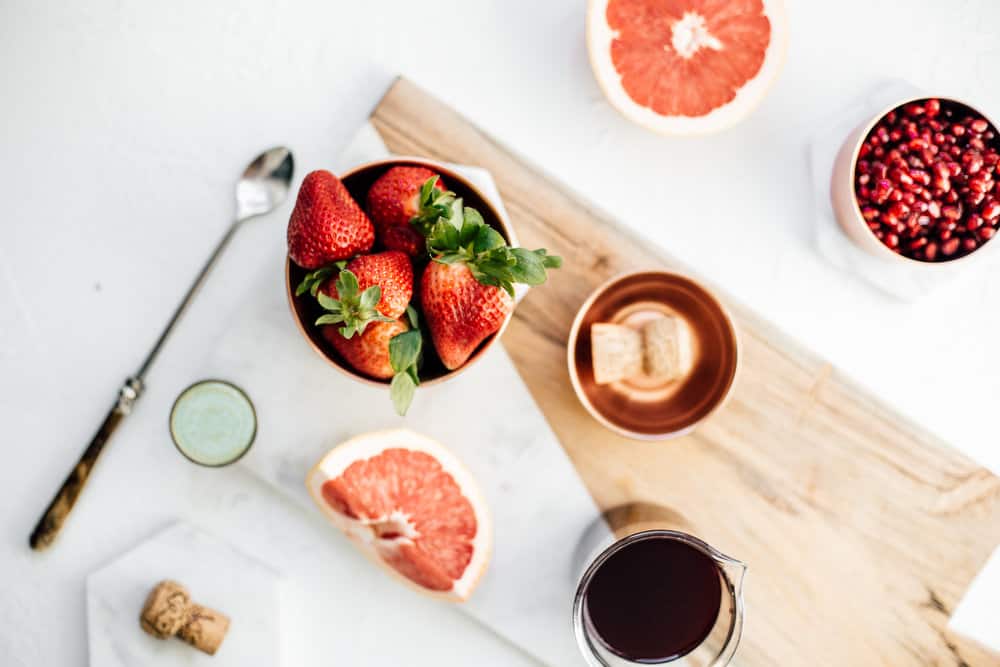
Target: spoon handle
52 520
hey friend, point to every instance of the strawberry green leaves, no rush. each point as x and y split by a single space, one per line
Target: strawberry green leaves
432 205
353 308
460 235
404 355
314 280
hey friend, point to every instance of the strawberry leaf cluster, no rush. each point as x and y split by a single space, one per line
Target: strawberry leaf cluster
458 234
353 308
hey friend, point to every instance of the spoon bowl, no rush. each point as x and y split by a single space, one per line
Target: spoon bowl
265 183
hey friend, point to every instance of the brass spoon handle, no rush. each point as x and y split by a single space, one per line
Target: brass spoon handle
52 520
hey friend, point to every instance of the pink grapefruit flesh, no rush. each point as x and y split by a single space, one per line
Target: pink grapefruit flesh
407 502
686 66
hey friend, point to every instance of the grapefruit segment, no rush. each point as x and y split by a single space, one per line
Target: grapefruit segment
686 66
409 504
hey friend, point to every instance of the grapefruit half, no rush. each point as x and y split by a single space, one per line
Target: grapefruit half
686 66
411 506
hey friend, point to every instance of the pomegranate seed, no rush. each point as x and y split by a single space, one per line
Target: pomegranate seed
972 162
974 222
913 109
881 192
970 244
918 243
863 179
979 125
949 247
900 177
932 107
934 209
980 185
991 210
957 130
899 210
952 212
930 252
986 233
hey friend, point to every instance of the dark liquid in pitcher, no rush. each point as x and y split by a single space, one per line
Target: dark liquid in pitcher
654 600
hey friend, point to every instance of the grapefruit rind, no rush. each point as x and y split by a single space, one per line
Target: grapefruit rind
368 445
600 36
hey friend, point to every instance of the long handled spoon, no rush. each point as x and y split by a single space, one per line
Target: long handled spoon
263 186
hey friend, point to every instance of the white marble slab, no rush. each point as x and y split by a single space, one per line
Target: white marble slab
487 417
216 574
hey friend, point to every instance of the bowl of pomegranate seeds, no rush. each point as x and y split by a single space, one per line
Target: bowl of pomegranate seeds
918 182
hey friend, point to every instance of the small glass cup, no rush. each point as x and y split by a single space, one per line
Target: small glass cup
718 646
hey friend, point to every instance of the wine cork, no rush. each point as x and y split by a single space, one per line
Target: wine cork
206 629
667 348
165 610
616 351
169 611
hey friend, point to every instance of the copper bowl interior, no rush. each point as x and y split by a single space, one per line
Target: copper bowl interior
306 310
643 408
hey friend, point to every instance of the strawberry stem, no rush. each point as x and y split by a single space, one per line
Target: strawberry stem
352 308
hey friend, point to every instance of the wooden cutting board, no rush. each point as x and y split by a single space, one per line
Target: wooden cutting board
860 530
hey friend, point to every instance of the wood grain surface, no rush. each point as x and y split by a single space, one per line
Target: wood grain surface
861 531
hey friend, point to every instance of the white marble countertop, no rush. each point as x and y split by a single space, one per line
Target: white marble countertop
124 125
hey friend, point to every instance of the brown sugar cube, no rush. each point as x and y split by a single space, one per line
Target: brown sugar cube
667 348
616 352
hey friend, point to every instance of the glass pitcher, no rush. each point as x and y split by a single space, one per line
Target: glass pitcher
716 646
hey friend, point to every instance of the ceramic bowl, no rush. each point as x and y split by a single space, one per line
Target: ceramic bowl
845 204
643 408
358 180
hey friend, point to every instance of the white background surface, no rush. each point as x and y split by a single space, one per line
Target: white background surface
124 125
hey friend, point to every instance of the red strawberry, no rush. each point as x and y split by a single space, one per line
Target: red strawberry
327 224
460 311
370 288
394 200
391 271
367 353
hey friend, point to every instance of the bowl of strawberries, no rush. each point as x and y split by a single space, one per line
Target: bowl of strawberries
401 273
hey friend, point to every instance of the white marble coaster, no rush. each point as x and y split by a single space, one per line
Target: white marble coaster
486 417
898 280
217 575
